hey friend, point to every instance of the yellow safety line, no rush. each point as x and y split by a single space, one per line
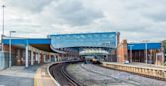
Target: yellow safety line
36 77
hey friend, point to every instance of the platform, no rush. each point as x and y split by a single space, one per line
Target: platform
147 65
18 76
42 77
137 64
148 70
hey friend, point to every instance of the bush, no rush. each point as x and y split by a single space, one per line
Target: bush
164 63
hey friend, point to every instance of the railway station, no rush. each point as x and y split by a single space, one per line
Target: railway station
82 43
57 51
61 47
142 52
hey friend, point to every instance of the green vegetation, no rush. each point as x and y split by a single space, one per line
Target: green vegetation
164 64
164 45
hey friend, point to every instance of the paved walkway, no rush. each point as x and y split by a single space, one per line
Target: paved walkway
141 65
42 78
18 76
148 65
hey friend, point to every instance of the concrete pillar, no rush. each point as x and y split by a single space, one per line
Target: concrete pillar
32 57
150 57
49 58
56 58
26 56
38 56
44 57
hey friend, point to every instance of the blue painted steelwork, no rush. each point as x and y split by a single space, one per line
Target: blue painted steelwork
104 39
81 34
28 41
142 46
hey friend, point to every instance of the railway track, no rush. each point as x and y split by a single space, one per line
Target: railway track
58 71
135 83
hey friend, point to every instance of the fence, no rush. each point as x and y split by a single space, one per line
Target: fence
157 73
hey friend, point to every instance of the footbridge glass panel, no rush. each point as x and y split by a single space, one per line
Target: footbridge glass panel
106 39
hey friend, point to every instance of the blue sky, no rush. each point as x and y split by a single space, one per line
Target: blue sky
137 20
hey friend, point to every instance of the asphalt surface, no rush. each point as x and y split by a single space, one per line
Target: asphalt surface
6 80
18 76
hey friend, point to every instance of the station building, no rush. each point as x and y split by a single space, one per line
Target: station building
142 52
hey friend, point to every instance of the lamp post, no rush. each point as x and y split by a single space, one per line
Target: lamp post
130 52
10 50
146 52
3 7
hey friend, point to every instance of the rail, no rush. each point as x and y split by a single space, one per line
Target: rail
61 77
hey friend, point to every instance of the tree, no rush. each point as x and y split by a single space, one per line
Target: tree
164 45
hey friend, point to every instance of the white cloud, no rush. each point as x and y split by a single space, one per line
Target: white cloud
135 19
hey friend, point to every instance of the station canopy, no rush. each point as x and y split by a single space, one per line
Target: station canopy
144 46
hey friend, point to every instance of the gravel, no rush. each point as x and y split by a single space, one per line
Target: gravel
92 75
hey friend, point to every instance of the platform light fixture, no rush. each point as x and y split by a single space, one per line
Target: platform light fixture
146 49
3 26
10 48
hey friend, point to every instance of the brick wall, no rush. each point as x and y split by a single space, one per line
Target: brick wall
122 51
